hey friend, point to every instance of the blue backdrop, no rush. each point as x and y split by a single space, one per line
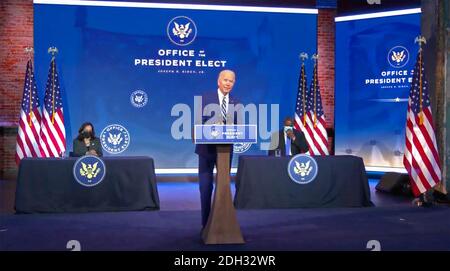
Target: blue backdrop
374 62
108 53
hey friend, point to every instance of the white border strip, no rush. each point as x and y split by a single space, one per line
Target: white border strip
177 6
378 14
387 169
169 171
163 171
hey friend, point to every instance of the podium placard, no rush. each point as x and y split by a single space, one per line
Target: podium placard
222 226
225 134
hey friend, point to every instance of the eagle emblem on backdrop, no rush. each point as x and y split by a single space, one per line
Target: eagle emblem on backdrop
181 30
115 139
302 168
398 56
138 98
89 170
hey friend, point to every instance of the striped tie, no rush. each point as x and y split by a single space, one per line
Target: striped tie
224 110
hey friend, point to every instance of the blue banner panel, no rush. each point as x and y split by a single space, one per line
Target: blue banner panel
133 72
374 63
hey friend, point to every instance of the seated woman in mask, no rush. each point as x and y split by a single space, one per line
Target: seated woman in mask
86 142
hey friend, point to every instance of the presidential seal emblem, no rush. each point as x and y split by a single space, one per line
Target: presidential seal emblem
214 132
115 138
398 56
89 170
138 98
302 169
181 30
241 147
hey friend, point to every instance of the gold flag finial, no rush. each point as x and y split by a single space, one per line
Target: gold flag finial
420 40
29 50
303 56
53 51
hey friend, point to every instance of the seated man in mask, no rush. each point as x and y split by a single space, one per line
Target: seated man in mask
288 141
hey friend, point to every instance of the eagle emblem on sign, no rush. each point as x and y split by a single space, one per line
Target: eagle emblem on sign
181 31
398 57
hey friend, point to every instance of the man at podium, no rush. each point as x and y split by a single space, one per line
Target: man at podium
207 154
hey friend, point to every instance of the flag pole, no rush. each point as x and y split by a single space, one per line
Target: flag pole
53 51
420 40
303 56
29 51
315 57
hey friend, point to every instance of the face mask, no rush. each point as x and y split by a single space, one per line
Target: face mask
86 134
287 128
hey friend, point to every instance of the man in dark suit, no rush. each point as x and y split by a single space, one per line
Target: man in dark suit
296 140
222 101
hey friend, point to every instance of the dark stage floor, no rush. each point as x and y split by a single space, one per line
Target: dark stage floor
395 223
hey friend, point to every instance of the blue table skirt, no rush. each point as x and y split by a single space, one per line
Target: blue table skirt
47 185
263 182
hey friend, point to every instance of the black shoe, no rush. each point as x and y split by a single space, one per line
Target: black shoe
441 197
422 202
428 204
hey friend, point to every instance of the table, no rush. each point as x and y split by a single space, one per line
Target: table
47 185
263 182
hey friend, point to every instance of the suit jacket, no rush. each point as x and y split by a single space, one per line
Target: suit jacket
298 146
209 150
80 149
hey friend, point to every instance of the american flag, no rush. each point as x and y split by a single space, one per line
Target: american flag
27 143
53 133
304 119
302 103
421 158
316 124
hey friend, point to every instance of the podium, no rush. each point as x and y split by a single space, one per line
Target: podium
222 226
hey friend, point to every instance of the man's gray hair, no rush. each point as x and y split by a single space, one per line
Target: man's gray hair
226 71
